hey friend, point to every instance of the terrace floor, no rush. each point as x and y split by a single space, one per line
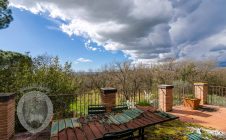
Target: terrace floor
207 115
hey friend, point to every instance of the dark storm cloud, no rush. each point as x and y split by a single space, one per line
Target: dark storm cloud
218 48
143 29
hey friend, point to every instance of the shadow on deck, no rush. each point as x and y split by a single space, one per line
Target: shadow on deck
207 115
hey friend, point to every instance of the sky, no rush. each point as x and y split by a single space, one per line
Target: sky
93 33
40 35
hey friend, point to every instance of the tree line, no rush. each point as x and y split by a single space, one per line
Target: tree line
20 70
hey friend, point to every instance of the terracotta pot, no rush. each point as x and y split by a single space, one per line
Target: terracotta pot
192 103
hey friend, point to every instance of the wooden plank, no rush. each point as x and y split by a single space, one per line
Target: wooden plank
144 123
71 134
114 120
62 135
68 123
109 121
164 114
126 116
54 138
101 128
138 110
108 128
129 114
151 114
79 133
75 122
135 112
116 128
54 129
116 117
138 123
131 125
123 126
88 132
61 125
124 119
145 120
120 119
95 131
152 118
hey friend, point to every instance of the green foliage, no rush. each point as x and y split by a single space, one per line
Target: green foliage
15 71
5 14
49 73
143 103
19 71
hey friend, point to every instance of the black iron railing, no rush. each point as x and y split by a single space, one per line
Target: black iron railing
74 105
181 92
217 95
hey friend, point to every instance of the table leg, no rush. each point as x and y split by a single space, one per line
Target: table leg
141 133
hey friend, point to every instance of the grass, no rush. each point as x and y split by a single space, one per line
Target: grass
143 103
80 105
174 130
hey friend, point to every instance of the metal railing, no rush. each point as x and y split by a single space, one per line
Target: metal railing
74 105
217 95
71 105
180 92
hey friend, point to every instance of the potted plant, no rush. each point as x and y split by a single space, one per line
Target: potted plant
192 103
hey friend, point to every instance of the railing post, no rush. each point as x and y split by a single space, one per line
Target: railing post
108 97
7 115
165 93
201 92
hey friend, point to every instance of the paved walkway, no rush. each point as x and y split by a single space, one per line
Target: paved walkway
208 116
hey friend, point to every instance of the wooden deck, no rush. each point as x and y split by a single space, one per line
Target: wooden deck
71 129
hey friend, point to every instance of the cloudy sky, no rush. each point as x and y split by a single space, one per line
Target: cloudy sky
100 31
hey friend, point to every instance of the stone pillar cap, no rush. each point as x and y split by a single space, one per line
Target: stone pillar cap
4 97
108 90
200 84
165 86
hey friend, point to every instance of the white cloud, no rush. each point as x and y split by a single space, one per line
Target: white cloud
83 60
147 31
213 47
88 46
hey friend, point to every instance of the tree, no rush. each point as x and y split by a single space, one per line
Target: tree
5 14
15 71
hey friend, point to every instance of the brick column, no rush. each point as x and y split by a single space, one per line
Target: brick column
108 97
7 115
165 97
201 92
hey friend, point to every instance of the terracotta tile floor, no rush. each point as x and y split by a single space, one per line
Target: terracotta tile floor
207 115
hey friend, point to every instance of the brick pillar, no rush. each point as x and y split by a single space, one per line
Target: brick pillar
7 115
201 92
165 97
108 97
